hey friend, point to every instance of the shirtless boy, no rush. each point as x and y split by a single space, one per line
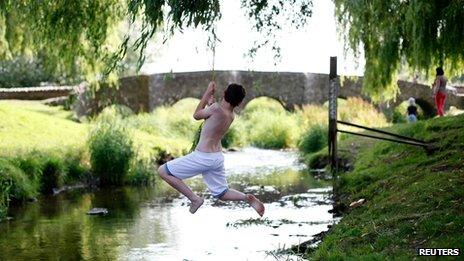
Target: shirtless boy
207 159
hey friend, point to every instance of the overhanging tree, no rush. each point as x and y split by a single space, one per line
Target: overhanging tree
75 37
422 34
78 37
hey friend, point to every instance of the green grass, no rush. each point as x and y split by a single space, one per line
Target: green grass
412 199
312 119
111 151
32 125
266 124
314 139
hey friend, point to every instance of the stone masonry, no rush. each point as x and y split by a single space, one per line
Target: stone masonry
146 92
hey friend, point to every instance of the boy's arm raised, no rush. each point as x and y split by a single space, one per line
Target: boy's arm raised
201 112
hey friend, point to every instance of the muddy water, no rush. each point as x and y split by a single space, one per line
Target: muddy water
154 223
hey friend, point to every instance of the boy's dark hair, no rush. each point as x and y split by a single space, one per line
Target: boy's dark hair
234 94
440 71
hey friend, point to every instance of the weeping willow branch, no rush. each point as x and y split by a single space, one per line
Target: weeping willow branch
423 33
74 36
80 37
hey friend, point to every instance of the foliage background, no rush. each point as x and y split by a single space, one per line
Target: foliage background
418 35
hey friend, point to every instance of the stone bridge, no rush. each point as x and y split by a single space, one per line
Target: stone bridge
146 92
35 93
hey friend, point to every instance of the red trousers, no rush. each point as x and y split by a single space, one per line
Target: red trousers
440 99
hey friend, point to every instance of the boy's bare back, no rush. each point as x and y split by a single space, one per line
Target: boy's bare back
214 128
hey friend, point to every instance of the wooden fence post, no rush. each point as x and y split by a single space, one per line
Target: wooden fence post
333 95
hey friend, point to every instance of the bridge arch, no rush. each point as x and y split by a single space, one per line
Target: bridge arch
427 108
263 98
268 102
191 101
184 101
146 92
257 84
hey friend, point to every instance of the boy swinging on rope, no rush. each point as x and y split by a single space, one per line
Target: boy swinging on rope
207 158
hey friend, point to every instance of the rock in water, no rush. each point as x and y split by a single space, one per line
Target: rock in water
261 190
97 211
266 193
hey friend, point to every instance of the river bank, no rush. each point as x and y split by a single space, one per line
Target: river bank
406 198
153 222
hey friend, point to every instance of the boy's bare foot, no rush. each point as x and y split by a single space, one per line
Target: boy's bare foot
194 205
256 204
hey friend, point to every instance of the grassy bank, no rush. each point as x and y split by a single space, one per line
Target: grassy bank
41 148
27 125
412 199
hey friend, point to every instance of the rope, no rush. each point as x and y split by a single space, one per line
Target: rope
212 44
213 72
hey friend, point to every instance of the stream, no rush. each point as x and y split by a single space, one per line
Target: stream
153 223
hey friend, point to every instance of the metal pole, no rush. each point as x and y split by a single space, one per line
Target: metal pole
383 132
388 139
333 94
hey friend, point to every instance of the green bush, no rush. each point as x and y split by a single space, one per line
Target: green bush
75 170
115 110
272 131
231 138
170 128
32 165
314 139
6 184
179 118
359 111
48 170
266 124
141 173
174 121
52 175
15 183
111 151
24 176
310 114
317 160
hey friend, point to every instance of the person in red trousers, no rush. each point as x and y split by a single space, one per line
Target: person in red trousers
439 91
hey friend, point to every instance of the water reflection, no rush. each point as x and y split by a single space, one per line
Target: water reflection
154 224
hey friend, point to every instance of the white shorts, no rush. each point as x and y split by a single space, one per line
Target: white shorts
209 164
